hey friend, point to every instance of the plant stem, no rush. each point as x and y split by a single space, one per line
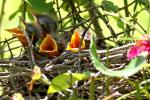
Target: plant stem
92 12
127 15
1 17
107 84
148 29
23 9
92 88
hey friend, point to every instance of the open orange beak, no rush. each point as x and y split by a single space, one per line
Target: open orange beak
75 42
49 46
19 35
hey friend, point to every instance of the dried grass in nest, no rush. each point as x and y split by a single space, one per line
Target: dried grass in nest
16 71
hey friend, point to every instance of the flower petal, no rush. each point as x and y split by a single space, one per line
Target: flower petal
36 73
30 85
144 44
133 52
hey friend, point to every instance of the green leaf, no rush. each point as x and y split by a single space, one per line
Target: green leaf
120 24
30 16
133 67
109 6
40 5
144 2
63 81
81 2
13 15
65 6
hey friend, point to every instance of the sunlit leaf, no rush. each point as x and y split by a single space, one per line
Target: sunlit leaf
120 24
63 81
109 6
144 2
30 16
40 5
133 67
81 2
13 14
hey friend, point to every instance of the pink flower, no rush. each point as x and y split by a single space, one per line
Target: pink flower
132 52
142 45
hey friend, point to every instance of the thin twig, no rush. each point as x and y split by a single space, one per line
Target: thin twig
8 39
30 47
60 65
15 75
130 4
86 53
9 49
2 51
83 35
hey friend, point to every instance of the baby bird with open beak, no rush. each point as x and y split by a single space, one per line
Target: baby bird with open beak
49 27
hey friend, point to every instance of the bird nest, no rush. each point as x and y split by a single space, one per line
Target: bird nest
17 69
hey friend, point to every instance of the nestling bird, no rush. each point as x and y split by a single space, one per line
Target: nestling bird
33 31
48 25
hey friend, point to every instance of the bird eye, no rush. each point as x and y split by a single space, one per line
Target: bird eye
43 26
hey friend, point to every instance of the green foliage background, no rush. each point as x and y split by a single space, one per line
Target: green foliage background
13 9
